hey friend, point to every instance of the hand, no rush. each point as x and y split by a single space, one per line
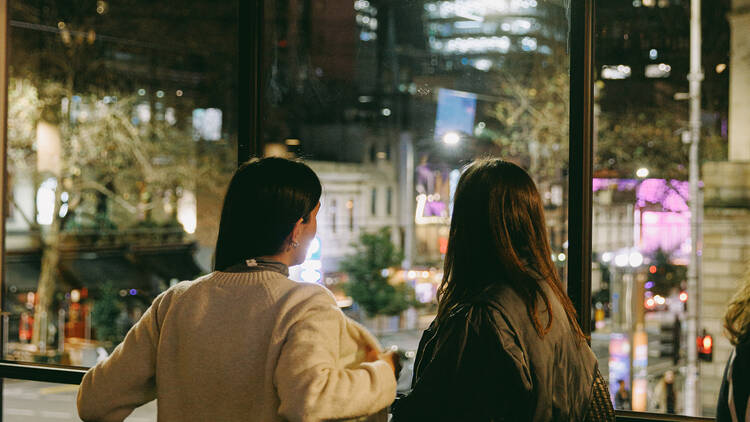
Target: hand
372 354
392 358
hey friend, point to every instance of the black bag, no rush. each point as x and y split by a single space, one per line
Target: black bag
600 408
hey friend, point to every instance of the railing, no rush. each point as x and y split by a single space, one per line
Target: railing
628 416
65 375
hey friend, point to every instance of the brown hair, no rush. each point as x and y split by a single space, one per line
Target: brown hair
737 317
498 237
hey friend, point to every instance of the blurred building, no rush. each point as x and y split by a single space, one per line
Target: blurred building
112 237
357 198
726 224
643 46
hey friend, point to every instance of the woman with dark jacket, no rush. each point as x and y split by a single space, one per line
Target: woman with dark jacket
734 396
505 344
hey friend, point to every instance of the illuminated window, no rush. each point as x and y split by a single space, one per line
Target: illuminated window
333 215
350 208
389 201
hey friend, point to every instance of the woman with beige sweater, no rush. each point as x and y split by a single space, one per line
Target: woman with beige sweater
246 343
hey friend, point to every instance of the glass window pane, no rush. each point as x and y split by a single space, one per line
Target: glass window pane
648 263
387 101
122 134
47 402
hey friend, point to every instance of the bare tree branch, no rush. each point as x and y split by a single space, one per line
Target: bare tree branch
23 215
103 190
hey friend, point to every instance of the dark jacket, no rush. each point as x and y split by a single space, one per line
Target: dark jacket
487 363
736 375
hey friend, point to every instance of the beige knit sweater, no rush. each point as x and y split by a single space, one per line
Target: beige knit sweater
240 347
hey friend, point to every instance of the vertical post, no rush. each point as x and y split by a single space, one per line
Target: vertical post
4 33
87 325
61 331
692 405
250 61
406 181
6 317
581 42
44 332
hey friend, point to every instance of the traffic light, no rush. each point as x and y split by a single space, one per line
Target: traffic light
706 347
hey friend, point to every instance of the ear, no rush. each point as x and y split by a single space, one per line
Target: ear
297 231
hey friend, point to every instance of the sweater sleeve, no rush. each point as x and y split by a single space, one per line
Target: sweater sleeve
312 383
112 389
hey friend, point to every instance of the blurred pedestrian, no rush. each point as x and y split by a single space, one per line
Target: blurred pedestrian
666 395
505 344
734 396
245 342
622 396
676 338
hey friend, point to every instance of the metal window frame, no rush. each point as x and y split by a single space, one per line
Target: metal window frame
249 74
580 160
250 82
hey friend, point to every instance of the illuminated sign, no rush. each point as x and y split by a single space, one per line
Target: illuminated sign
619 361
455 112
311 270
476 10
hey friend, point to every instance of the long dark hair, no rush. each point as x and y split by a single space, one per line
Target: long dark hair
498 237
265 199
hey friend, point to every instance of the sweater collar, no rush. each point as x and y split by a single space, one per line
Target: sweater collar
254 265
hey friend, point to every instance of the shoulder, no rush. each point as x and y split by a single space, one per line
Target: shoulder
489 319
298 301
309 293
183 288
741 363
169 297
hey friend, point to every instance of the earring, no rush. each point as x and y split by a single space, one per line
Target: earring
295 244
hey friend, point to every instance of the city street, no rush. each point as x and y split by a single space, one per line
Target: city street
25 401
28 400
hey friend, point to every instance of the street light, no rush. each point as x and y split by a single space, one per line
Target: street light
451 138
635 259
642 173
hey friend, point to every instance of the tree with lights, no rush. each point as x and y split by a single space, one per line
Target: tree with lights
369 280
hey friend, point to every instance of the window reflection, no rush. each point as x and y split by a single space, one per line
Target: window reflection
122 125
388 101
642 204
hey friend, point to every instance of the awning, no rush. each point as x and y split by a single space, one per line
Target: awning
22 272
145 269
92 270
172 264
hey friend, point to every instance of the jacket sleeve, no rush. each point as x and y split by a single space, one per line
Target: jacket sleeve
112 389
469 377
311 382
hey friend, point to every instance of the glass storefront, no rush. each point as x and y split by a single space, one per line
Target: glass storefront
123 126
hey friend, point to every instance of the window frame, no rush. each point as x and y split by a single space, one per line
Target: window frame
250 76
580 159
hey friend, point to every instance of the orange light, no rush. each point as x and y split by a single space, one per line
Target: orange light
707 343
443 245
652 269
683 297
